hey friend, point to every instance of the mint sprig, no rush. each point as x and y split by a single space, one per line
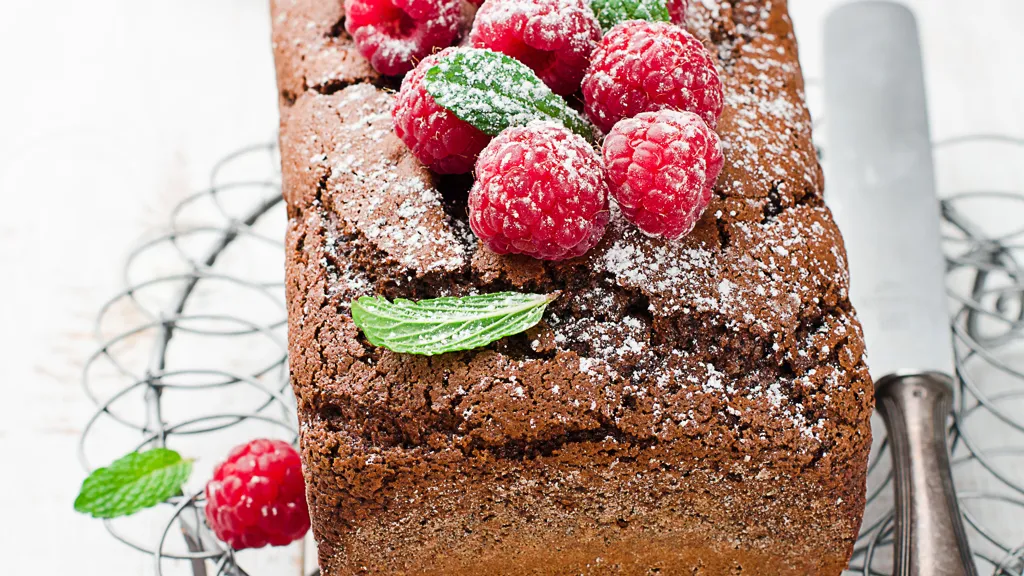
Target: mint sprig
134 482
440 325
493 91
611 12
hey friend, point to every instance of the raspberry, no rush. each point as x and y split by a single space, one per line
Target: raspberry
540 190
553 37
393 34
443 142
677 11
661 168
646 66
257 496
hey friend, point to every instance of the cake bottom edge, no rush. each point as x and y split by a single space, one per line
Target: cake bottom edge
591 508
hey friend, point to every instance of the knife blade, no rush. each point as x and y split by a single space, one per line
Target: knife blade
881 189
881 186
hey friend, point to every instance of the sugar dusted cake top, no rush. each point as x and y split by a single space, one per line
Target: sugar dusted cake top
741 331
674 380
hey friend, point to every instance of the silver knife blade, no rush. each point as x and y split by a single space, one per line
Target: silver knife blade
881 188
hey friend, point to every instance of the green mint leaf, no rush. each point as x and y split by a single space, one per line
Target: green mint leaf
136 481
493 91
611 12
448 324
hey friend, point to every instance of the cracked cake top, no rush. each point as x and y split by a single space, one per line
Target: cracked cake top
739 335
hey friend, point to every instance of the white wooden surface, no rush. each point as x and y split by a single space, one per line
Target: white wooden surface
111 111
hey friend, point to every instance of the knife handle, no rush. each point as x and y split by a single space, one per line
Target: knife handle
930 537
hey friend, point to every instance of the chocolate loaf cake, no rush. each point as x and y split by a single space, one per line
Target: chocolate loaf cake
698 406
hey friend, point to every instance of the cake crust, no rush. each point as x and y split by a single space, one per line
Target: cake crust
690 407
312 51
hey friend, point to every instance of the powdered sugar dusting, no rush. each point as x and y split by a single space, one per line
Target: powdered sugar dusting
760 287
493 91
738 325
393 40
387 195
562 32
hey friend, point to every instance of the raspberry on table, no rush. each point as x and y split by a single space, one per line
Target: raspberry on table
394 34
677 11
553 37
661 169
646 66
258 497
439 139
540 190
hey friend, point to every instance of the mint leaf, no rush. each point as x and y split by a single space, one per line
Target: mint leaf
136 481
493 91
611 12
448 324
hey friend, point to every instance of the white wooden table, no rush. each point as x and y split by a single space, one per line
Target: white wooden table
111 111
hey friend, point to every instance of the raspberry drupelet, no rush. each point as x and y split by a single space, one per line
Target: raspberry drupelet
553 37
677 11
540 191
258 497
394 34
646 66
661 169
440 140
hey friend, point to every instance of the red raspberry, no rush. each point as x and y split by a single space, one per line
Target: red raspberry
553 37
540 190
661 168
394 34
645 66
677 11
443 142
257 496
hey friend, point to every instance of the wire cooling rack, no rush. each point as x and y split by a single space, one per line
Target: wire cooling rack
197 355
192 354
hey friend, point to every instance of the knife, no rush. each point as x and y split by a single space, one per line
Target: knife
881 190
